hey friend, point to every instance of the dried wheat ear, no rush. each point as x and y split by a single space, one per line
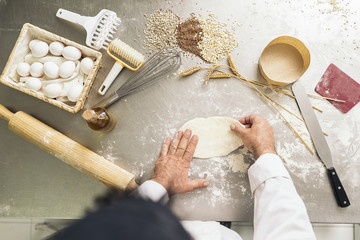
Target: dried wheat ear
190 71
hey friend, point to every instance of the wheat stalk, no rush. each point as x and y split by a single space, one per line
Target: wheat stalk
210 71
190 71
221 75
232 65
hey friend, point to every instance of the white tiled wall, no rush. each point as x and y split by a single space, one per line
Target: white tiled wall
37 229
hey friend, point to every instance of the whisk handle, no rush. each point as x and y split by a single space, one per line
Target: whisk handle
107 101
115 70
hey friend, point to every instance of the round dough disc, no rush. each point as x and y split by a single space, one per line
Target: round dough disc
215 136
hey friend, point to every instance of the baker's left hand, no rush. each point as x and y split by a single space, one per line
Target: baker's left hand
172 167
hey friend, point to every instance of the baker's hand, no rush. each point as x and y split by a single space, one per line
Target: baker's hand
171 168
258 135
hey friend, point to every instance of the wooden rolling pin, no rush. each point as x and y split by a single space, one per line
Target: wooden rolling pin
68 150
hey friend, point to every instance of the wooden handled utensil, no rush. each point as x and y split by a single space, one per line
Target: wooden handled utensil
68 150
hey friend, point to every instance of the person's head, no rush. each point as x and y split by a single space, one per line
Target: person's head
119 216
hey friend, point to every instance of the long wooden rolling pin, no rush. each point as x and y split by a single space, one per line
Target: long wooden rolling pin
68 150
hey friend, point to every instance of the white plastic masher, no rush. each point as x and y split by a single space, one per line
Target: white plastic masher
99 29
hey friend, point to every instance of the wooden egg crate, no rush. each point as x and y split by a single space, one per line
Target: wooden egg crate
21 48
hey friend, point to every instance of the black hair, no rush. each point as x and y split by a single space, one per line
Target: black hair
118 215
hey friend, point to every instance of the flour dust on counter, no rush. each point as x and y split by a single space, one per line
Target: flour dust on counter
237 161
107 150
301 168
290 150
224 174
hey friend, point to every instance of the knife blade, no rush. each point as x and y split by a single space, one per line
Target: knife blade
321 146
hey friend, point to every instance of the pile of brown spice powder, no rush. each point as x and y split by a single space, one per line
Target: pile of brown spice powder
189 34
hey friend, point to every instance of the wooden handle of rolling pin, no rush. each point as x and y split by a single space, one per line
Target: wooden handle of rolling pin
68 150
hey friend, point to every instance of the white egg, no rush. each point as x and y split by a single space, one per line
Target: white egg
51 70
53 90
86 65
75 92
71 53
32 43
33 83
56 48
37 69
23 69
66 69
40 49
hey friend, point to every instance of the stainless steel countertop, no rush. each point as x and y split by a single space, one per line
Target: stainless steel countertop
35 184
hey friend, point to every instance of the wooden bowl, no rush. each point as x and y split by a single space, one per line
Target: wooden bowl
284 60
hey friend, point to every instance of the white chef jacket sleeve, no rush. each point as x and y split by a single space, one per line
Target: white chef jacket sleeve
279 211
153 191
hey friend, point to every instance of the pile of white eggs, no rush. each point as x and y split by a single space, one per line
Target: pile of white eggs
41 75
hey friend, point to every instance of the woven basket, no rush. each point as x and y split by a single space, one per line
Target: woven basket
21 48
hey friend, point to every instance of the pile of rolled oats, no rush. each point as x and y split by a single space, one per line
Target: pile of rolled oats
160 30
217 41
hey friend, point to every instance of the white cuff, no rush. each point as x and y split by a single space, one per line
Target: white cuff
266 166
153 191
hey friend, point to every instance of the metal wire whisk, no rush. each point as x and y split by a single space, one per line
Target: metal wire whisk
157 67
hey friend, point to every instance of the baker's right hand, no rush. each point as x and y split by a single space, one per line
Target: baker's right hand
257 136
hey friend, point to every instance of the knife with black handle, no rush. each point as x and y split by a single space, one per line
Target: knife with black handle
321 146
